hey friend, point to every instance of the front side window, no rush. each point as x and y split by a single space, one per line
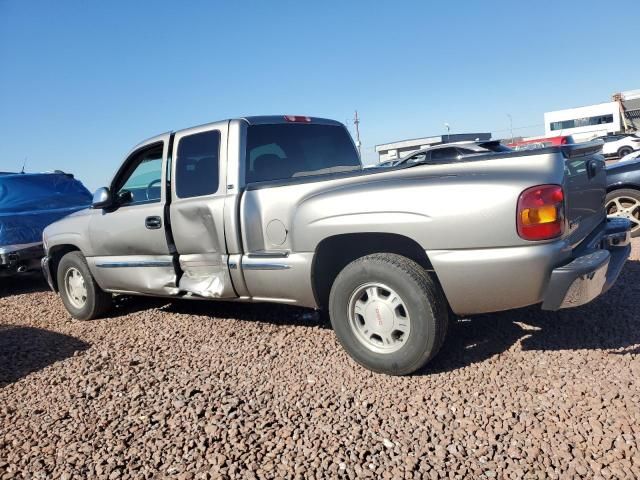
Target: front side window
197 165
142 181
286 150
417 158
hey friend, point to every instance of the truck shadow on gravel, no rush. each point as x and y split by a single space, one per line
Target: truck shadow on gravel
22 283
258 312
608 323
24 350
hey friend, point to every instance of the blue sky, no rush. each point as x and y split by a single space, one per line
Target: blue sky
81 82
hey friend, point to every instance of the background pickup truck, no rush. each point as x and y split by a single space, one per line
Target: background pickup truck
279 209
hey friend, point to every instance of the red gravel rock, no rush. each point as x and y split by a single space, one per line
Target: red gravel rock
196 390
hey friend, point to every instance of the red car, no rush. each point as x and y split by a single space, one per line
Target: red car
540 142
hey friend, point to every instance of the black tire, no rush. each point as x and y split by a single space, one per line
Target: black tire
97 301
625 197
425 305
624 151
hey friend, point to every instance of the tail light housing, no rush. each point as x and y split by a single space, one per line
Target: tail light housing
540 214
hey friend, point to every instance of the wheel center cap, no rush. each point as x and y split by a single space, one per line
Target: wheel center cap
380 316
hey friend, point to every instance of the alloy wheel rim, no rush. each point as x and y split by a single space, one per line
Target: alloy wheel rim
75 287
379 318
625 207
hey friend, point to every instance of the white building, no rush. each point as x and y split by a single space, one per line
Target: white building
622 115
584 123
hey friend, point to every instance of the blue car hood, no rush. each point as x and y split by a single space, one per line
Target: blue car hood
30 202
623 164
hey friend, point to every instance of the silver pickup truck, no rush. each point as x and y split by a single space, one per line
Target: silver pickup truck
279 209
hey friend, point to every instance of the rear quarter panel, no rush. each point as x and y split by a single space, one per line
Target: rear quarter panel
463 215
453 206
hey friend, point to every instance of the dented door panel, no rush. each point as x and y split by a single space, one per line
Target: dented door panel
197 213
206 275
126 254
148 274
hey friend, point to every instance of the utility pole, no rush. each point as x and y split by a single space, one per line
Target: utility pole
356 122
510 125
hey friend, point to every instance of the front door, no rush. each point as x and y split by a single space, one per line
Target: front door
129 244
199 188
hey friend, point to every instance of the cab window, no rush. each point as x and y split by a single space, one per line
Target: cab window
286 151
197 167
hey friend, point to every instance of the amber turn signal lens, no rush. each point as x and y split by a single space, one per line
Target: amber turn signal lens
544 214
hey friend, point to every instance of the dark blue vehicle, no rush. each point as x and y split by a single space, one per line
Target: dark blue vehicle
28 203
623 192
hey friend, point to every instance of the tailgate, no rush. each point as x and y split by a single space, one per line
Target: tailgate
585 187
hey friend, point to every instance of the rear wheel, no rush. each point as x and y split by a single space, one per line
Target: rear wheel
624 151
81 295
388 313
625 203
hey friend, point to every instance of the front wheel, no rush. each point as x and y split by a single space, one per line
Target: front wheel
81 295
388 313
625 203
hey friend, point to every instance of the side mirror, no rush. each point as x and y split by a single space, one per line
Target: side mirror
101 198
123 197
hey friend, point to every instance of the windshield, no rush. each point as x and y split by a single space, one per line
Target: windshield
287 150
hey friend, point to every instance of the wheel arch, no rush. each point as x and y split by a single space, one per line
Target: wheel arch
624 148
335 252
55 254
623 186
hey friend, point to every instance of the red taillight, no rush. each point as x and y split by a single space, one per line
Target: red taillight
297 118
540 214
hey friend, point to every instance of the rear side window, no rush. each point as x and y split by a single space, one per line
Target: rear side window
465 151
495 146
197 165
441 154
283 151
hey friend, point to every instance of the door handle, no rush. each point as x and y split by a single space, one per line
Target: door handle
153 223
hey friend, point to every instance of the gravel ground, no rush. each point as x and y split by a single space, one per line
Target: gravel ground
217 390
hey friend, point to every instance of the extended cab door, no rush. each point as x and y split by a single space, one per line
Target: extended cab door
130 252
198 185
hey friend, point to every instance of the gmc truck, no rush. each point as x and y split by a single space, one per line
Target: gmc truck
279 209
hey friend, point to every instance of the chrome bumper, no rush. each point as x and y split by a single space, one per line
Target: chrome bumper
20 258
592 273
45 263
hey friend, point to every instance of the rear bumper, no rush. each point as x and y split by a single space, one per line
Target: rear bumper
593 270
20 258
491 280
